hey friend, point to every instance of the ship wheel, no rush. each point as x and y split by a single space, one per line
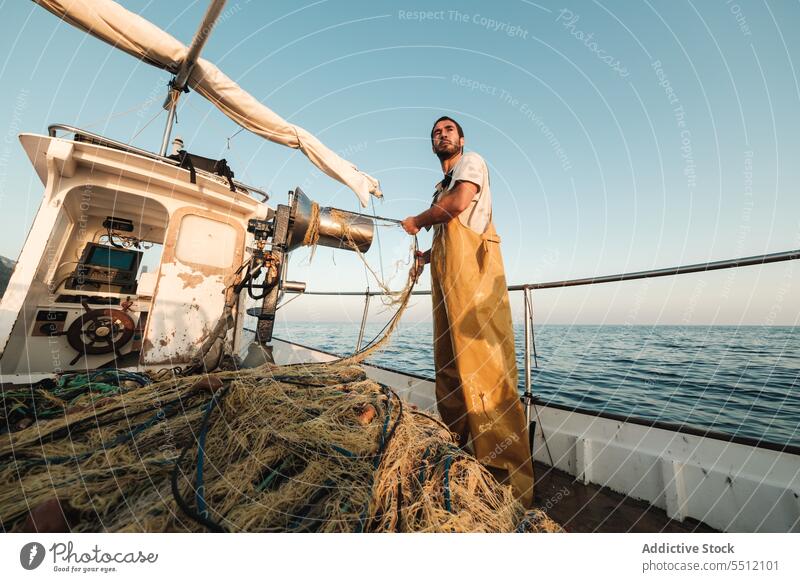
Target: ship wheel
99 331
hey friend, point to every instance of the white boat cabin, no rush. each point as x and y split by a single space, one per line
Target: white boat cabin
127 262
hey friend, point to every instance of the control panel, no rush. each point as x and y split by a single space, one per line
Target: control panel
107 265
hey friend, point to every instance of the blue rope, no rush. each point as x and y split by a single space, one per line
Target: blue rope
201 488
202 516
384 432
421 477
119 439
298 519
273 473
201 446
447 462
361 519
386 435
344 452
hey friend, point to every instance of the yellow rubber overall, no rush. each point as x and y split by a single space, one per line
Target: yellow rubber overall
476 371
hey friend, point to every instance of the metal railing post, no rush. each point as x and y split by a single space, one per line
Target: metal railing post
527 397
367 297
173 97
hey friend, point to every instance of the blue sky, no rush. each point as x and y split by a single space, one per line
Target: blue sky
620 136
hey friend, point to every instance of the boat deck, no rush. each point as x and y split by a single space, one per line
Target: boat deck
586 508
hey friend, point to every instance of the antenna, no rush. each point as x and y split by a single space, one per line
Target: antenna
178 83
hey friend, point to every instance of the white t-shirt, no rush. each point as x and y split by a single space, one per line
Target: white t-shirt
472 168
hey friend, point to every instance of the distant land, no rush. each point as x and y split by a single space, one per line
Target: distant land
6 268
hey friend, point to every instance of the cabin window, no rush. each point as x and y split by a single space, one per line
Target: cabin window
151 259
206 242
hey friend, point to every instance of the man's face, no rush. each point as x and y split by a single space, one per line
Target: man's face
446 141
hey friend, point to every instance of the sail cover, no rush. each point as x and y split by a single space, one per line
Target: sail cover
137 36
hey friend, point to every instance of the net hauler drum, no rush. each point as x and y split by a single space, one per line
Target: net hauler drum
328 227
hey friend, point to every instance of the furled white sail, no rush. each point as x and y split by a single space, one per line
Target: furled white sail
135 35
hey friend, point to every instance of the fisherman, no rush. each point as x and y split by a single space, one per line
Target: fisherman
476 372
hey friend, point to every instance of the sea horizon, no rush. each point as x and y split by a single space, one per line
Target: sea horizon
741 380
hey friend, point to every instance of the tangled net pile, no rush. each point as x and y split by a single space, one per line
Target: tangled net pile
305 448
279 448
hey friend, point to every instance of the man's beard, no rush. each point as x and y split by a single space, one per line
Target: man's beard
446 150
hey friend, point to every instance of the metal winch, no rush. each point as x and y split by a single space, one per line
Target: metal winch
300 223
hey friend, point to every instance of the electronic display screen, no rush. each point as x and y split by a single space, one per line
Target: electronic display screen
111 258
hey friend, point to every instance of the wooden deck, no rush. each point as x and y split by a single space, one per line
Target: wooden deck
589 508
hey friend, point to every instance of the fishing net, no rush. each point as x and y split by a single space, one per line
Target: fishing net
300 448
306 448
23 405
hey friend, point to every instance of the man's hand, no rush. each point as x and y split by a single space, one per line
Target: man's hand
410 225
422 259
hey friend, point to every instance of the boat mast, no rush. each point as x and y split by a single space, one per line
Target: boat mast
178 83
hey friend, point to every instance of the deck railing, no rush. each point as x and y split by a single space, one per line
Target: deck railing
526 289
53 130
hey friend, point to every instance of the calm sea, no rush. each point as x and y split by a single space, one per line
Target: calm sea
738 380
